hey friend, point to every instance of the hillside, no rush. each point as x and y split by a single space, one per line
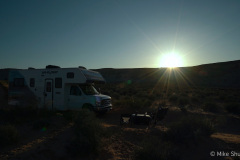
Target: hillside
223 74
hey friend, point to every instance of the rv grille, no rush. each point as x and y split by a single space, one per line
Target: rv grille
106 102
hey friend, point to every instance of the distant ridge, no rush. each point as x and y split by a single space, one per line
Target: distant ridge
221 74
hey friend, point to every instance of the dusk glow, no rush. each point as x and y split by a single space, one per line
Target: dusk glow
118 34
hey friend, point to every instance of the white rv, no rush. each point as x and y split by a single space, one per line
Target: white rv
58 88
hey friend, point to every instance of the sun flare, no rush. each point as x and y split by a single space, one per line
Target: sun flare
171 60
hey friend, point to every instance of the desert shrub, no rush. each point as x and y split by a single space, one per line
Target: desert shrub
230 98
211 107
158 95
17 115
123 102
139 103
88 133
202 94
233 108
154 148
189 129
183 101
69 115
116 102
8 135
140 94
184 94
173 98
222 97
194 100
46 113
133 102
25 114
41 124
115 95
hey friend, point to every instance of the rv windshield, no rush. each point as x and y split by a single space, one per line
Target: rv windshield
88 89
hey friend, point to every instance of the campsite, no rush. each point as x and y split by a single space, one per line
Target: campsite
202 122
119 80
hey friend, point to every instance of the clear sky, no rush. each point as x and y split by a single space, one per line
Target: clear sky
117 33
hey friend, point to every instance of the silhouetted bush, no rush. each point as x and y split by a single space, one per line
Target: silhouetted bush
114 95
88 133
231 98
195 100
233 108
183 101
133 102
8 135
41 124
222 97
173 98
24 114
189 129
18 115
211 107
69 115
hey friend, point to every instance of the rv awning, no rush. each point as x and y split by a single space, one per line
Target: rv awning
93 77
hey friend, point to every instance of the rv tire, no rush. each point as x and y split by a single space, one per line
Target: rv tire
88 107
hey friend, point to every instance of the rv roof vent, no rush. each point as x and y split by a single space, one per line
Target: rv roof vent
52 66
31 68
81 67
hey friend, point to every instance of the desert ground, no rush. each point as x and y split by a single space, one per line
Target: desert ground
201 123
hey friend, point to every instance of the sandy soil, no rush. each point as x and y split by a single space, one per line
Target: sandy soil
52 142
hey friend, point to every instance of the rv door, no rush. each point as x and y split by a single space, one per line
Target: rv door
75 98
48 94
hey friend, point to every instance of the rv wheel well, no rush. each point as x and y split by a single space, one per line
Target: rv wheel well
87 106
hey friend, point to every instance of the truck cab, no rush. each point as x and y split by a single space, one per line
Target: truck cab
86 96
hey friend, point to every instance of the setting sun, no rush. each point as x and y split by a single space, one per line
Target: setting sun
171 60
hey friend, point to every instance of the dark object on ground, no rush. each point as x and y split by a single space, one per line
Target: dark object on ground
140 119
145 118
135 119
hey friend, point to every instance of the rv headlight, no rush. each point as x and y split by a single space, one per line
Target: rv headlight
98 101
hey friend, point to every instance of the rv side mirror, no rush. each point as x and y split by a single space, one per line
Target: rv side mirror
99 90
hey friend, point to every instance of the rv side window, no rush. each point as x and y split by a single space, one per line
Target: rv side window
18 82
75 91
70 75
32 82
58 82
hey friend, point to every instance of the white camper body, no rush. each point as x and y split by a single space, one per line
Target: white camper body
58 88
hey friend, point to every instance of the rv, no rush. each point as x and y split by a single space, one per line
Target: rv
57 88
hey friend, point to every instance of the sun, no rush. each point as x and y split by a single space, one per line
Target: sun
171 60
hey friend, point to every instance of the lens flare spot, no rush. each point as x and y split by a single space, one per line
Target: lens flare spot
43 129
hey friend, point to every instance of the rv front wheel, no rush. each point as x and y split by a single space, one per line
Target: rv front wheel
87 106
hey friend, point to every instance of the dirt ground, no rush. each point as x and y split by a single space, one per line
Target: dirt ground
52 143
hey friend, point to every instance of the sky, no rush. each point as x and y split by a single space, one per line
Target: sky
117 33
